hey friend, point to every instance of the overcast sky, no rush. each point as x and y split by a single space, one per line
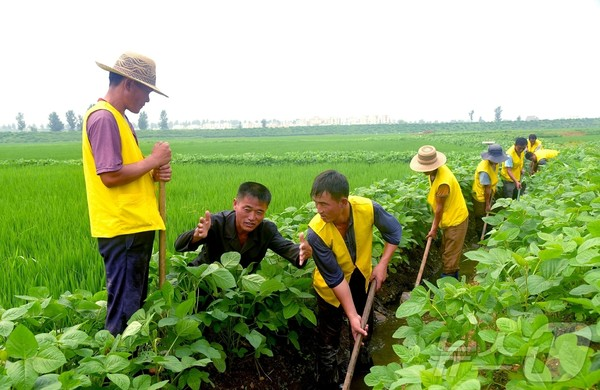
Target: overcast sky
433 60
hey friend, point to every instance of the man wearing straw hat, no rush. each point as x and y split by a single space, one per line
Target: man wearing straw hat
120 187
450 211
485 182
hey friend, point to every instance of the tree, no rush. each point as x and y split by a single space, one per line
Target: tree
471 115
79 124
143 121
498 114
264 123
21 121
54 122
71 120
164 121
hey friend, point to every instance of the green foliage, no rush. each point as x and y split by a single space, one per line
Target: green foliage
532 314
163 124
531 319
54 122
143 121
71 120
21 125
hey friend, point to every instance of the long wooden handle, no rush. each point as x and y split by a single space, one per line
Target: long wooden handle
423 261
162 234
363 322
484 228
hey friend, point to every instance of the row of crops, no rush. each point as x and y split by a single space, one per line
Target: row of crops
529 320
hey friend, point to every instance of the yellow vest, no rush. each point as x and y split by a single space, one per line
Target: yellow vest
455 208
126 209
546 153
532 147
363 217
517 165
478 188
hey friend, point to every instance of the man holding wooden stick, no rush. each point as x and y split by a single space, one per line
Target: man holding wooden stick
450 213
120 186
341 236
485 182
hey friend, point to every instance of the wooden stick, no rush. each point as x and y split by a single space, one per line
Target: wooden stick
363 322
423 261
162 234
484 228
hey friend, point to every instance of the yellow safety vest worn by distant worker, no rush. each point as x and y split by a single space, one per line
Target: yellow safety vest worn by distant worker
125 209
546 154
455 209
532 147
363 219
478 188
517 165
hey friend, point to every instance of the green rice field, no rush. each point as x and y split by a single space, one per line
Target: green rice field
45 228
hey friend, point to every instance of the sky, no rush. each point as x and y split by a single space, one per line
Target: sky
412 60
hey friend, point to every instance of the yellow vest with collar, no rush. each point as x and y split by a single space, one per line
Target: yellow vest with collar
478 188
531 147
517 165
455 208
126 209
363 219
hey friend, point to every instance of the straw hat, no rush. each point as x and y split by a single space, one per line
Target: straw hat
136 67
494 154
427 159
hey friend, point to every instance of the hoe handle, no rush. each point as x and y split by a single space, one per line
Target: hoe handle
423 261
162 234
484 228
363 322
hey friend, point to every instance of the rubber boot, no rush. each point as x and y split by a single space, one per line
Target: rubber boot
453 275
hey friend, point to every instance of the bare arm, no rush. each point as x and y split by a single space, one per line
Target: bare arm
161 155
509 172
437 216
343 294
379 273
487 193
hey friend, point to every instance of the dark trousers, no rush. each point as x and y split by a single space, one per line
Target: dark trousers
330 320
126 261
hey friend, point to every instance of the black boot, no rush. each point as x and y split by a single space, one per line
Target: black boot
453 275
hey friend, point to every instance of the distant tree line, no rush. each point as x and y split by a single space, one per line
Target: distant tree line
75 122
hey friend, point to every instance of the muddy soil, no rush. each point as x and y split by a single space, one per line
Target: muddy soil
292 369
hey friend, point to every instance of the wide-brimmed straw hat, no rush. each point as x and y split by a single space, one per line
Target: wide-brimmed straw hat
494 154
136 67
427 159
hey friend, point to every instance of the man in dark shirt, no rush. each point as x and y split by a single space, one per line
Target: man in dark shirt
242 230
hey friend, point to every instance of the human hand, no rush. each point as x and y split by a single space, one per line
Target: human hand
432 233
379 275
357 328
518 184
163 173
161 153
305 250
202 228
